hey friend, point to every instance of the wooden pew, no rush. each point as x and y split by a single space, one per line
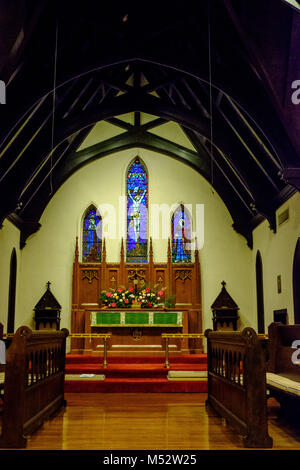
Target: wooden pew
237 382
283 375
34 382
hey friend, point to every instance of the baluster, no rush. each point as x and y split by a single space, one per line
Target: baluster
230 366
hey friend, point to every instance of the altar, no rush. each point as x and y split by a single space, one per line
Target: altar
135 330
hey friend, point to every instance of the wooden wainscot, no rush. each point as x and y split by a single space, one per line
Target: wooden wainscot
237 383
283 376
181 281
34 383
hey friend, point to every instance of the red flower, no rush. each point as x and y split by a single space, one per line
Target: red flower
132 301
149 304
147 290
108 294
130 289
126 301
160 293
120 289
113 304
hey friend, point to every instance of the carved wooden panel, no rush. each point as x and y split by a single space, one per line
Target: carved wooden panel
183 285
89 285
160 277
113 278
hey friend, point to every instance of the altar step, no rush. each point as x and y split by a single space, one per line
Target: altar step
136 374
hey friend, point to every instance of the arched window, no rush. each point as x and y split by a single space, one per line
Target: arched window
12 292
296 282
137 212
91 236
260 294
181 235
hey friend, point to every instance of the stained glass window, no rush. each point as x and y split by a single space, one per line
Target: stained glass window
181 235
137 212
92 236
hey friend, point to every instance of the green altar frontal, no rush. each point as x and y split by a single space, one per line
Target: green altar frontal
137 318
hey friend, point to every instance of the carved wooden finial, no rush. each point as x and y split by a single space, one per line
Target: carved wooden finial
169 248
76 249
122 251
104 250
150 251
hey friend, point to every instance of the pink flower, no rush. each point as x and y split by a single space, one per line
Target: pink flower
160 292
120 289
113 304
108 294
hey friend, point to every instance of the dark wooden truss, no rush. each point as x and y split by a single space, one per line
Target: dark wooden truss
221 70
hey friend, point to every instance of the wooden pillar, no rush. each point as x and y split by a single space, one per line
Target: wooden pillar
198 276
170 277
123 279
75 290
103 279
151 264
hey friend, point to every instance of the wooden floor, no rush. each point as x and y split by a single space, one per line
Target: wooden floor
104 421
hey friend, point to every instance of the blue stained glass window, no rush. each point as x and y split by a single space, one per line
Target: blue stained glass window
92 236
137 212
181 235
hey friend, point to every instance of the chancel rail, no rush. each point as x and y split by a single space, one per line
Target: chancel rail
167 336
104 336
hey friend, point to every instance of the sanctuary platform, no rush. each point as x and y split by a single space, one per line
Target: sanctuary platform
85 373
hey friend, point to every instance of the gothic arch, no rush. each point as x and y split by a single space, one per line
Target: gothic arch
12 292
260 294
296 282
91 243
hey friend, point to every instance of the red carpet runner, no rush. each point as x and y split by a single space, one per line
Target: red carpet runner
133 374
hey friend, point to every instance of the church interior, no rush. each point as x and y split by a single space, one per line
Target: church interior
150 225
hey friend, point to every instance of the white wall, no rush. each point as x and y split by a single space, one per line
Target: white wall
49 253
277 252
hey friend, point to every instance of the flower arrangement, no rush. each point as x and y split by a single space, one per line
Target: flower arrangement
148 297
120 297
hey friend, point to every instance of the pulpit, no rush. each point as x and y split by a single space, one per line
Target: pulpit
225 311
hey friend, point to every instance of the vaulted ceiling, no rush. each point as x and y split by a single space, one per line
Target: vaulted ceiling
222 71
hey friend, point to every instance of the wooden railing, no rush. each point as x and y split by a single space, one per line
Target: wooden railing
34 382
180 336
237 382
104 336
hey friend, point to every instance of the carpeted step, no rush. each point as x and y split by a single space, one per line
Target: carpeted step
135 386
136 374
87 359
132 370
